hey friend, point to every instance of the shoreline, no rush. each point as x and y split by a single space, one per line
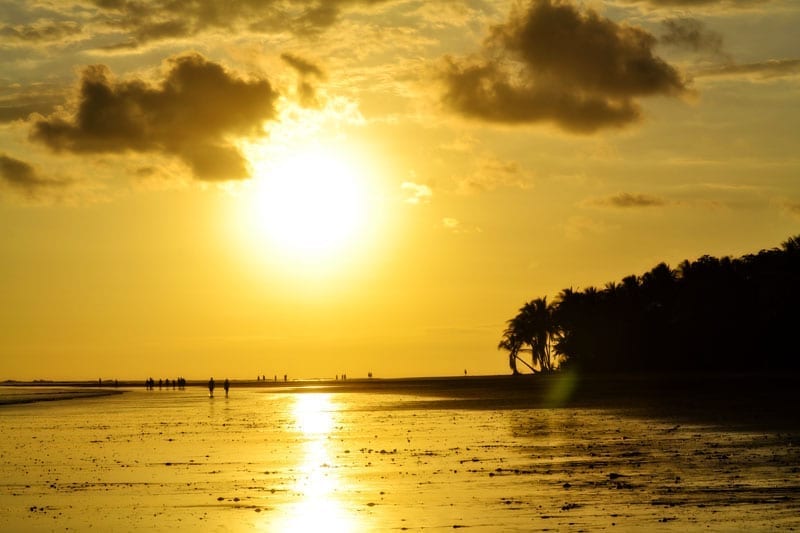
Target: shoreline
50 394
763 401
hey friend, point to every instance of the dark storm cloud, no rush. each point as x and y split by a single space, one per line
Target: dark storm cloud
691 34
192 114
552 62
628 200
22 177
151 20
774 68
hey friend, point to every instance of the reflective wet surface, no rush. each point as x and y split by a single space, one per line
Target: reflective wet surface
314 461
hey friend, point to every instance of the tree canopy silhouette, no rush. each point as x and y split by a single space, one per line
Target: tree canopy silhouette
732 314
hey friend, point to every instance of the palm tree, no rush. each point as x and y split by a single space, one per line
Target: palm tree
532 326
511 343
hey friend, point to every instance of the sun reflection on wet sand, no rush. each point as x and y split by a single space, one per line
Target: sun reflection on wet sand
307 461
317 506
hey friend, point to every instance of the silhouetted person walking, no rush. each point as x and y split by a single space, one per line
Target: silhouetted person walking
226 386
211 388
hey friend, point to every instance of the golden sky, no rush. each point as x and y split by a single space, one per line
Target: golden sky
348 186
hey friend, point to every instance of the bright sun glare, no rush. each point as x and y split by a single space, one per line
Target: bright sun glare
310 203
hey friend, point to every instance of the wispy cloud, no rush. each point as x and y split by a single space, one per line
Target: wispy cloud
23 178
491 173
627 200
416 193
306 71
454 225
764 70
145 21
698 3
693 34
41 31
18 101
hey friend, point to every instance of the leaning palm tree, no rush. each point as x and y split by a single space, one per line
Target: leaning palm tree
512 344
532 326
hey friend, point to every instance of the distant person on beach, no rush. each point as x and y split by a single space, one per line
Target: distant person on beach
226 386
285 378
211 388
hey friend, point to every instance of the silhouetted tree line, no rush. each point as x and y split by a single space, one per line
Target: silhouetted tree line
731 314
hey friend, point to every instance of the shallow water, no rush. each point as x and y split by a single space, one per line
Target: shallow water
287 461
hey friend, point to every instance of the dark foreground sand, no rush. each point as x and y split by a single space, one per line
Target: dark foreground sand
561 453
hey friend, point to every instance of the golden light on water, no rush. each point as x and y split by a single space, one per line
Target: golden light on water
318 507
313 414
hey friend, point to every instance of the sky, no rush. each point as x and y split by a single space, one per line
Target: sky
313 188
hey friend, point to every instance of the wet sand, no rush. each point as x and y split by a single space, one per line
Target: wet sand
31 394
492 454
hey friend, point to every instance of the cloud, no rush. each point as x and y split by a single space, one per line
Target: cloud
153 20
698 3
765 70
303 66
692 34
24 178
18 101
416 193
454 225
491 173
451 223
551 62
193 114
627 200
41 31
306 91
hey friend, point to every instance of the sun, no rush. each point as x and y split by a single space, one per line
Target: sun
309 204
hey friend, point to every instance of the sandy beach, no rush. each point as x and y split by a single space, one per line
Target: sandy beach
487 454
